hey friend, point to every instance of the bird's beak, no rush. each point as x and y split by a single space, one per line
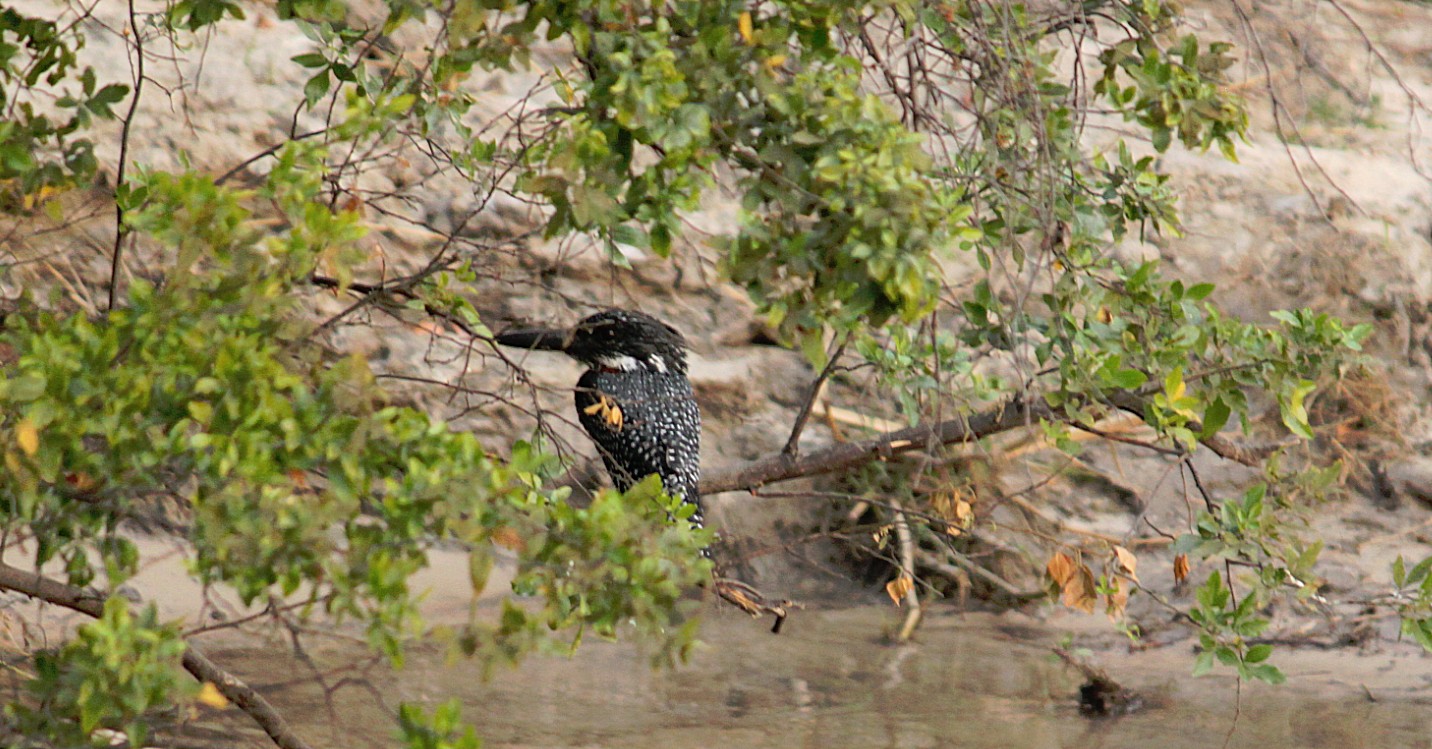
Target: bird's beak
538 339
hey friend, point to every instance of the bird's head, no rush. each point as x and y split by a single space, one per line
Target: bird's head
617 339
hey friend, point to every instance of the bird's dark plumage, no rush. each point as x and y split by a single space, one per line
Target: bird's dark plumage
634 400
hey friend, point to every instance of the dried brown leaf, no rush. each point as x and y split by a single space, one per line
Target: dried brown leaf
1079 592
1060 568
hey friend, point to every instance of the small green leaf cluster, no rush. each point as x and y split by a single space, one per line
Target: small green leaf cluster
443 729
840 219
1412 599
1257 531
921 368
293 474
115 670
1227 626
1123 328
41 148
623 561
1174 90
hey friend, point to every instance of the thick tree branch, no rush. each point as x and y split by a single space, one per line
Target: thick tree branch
91 603
784 466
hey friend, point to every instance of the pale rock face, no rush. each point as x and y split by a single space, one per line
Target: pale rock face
1348 230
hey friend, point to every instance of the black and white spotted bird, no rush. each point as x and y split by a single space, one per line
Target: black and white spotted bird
634 399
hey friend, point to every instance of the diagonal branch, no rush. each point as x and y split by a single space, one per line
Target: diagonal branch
91 603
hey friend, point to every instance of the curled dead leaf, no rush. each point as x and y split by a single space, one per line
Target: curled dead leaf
81 482
1128 563
1180 568
899 588
955 507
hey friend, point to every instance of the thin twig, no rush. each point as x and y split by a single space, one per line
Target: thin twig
792 444
120 233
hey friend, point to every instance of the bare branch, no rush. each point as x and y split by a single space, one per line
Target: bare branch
793 444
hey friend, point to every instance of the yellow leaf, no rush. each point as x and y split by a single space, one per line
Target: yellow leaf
211 696
775 61
743 24
28 436
899 588
1128 563
1174 386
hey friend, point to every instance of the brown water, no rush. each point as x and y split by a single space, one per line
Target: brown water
830 681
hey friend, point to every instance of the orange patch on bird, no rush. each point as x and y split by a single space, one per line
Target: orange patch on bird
610 410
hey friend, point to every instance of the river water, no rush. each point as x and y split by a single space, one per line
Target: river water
832 680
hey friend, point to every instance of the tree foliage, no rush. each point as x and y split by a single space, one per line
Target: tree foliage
877 151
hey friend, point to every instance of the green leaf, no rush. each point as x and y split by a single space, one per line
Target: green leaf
1203 663
630 235
316 87
1128 379
1215 416
25 388
813 347
1268 673
1199 291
